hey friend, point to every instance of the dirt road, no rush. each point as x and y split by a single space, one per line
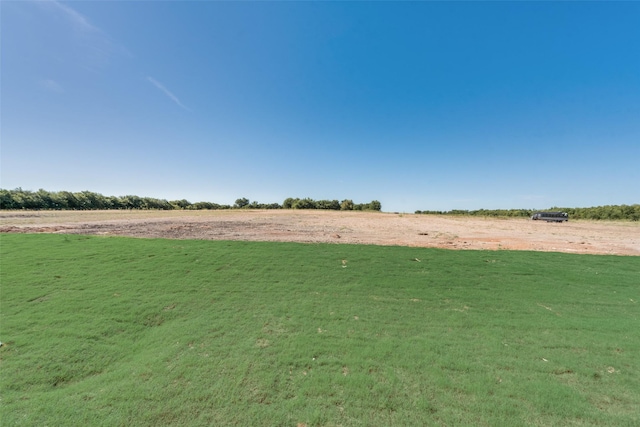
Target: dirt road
587 237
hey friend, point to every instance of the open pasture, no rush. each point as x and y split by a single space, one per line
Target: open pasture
353 227
148 332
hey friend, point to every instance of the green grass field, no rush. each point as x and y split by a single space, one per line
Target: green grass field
141 332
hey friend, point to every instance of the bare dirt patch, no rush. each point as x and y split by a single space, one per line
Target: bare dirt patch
587 237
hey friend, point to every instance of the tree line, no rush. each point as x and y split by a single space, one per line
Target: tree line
608 212
20 199
345 205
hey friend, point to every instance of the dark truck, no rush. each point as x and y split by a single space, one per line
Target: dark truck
551 216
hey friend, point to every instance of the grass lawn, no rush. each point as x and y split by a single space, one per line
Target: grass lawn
150 332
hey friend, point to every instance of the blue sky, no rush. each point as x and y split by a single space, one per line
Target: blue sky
420 105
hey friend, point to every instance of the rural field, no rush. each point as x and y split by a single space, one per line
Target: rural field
260 318
312 226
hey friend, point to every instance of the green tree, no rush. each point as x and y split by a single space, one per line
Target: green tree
180 204
289 202
328 204
375 206
241 203
205 205
346 205
305 203
7 201
131 202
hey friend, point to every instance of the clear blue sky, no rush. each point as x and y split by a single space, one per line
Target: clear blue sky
420 105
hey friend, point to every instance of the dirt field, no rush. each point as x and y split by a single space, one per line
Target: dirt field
587 237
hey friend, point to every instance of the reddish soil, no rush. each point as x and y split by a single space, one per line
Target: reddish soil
587 237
